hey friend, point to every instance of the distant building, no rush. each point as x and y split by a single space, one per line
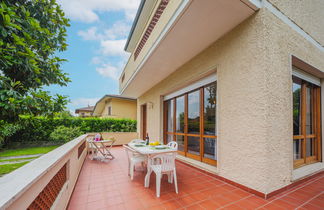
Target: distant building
115 106
85 111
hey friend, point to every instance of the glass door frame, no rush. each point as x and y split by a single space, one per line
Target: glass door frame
316 124
201 134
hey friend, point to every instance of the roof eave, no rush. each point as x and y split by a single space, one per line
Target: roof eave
139 11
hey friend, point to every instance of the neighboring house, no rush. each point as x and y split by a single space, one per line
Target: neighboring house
85 111
237 83
115 106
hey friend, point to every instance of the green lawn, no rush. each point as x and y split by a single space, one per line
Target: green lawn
27 151
7 168
16 159
4 169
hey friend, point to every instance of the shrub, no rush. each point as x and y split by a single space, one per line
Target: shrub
7 130
38 129
65 134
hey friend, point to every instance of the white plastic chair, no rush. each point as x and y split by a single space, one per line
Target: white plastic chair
137 141
173 145
166 165
133 158
91 149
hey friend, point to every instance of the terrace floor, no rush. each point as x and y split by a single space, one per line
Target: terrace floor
106 185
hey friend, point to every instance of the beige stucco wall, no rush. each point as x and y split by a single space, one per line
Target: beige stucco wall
124 108
120 108
104 112
120 137
305 13
253 64
84 114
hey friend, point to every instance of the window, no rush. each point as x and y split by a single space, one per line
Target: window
306 122
190 119
109 110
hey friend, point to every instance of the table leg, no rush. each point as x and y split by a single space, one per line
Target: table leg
107 152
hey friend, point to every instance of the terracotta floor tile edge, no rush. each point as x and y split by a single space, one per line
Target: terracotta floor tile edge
255 192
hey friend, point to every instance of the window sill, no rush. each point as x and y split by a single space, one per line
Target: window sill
307 170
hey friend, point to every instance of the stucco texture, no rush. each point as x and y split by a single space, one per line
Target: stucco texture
253 64
307 14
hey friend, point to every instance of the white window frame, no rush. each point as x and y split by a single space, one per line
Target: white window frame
305 76
205 81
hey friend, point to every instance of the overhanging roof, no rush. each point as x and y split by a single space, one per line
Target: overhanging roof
194 26
141 18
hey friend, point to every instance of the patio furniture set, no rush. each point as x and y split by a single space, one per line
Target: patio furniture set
159 159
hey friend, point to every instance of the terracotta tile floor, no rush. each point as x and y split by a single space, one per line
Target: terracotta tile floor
106 186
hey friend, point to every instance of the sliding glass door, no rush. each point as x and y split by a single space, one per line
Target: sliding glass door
306 122
190 119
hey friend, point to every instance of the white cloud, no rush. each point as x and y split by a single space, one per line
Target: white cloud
119 29
109 71
82 102
112 40
97 60
90 34
85 10
113 47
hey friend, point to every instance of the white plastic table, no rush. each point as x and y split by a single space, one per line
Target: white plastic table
103 147
150 152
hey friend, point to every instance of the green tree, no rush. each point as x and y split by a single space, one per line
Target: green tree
63 114
31 33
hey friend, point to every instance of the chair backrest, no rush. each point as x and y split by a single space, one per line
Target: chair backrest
173 144
136 141
167 161
128 151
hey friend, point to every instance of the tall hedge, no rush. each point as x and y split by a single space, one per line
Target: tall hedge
38 129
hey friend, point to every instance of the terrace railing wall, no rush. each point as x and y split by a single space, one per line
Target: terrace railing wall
46 182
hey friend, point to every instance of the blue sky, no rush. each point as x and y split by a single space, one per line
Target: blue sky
96 38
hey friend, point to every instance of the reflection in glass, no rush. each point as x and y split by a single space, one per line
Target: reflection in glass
180 141
309 111
210 148
180 114
310 147
210 110
170 115
193 112
193 145
297 105
297 149
169 137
